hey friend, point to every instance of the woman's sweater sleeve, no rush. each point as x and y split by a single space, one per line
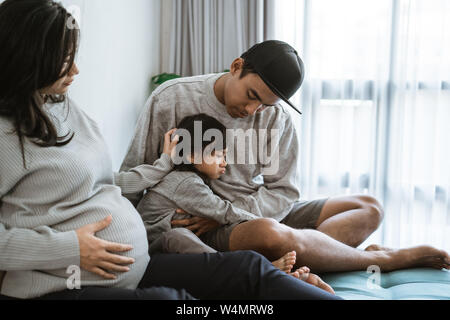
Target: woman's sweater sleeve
144 176
196 198
41 248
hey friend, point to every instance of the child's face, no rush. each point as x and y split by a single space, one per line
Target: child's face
213 165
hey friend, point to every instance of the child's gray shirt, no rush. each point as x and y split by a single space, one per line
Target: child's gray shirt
186 190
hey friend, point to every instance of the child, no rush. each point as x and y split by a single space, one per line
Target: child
187 187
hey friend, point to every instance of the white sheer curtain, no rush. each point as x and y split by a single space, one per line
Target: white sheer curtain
205 36
376 108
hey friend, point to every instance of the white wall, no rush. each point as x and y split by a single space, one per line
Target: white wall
119 53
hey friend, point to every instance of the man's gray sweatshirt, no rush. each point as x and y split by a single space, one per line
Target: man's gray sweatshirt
246 186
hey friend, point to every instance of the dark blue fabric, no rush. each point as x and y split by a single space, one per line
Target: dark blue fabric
102 293
209 276
227 275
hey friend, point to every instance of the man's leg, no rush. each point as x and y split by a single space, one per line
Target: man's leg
322 253
350 219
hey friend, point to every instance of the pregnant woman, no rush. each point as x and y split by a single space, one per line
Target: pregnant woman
59 206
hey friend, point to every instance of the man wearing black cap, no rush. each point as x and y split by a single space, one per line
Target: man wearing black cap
279 66
247 99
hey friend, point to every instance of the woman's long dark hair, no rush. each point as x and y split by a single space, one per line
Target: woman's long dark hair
37 39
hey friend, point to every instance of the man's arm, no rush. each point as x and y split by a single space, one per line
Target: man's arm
276 196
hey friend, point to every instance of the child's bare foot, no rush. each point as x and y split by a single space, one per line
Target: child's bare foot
301 273
304 274
286 262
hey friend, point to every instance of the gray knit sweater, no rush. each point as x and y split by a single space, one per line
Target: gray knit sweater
63 189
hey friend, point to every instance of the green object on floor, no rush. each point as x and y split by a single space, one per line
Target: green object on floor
408 284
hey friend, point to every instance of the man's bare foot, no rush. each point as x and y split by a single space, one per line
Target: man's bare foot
286 262
376 247
415 257
304 274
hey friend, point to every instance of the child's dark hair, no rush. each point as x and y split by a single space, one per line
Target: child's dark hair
188 126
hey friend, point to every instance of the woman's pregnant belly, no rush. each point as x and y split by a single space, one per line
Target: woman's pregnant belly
126 227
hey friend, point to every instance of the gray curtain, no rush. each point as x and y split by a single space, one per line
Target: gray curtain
205 36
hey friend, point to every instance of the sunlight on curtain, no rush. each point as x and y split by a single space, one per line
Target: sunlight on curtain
376 108
418 178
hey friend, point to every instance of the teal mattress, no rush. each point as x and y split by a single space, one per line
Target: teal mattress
408 284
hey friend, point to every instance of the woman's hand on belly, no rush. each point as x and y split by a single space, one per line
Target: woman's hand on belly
95 253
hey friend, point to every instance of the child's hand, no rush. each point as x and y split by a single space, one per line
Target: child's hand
169 146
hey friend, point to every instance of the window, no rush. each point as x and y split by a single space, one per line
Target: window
376 107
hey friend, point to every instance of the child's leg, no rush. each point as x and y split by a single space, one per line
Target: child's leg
182 240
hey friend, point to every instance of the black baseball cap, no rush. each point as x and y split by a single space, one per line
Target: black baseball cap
279 66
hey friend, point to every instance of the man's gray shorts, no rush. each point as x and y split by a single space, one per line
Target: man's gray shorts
303 215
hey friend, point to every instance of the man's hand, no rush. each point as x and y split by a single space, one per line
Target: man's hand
198 225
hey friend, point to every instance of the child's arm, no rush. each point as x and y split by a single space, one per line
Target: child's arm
195 197
146 176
